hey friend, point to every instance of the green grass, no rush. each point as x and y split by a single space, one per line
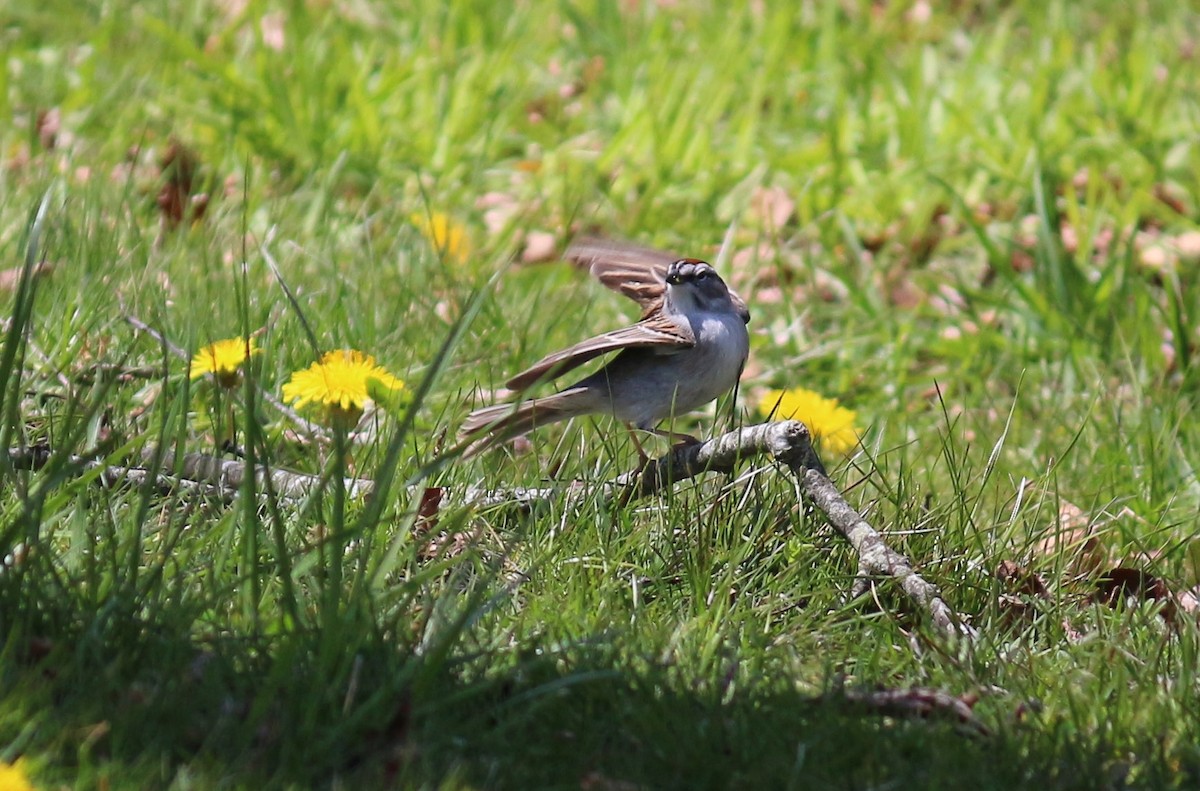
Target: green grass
154 639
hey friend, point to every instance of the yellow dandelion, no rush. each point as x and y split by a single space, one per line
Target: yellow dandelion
831 424
13 777
447 235
340 381
223 360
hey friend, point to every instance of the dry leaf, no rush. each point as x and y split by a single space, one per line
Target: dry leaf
593 69
597 781
920 702
499 209
920 13
1073 535
1189 601
427 510
829 288
49 122
18 158
904 294
772 207
1021 586
1187 244
178 168
746 268
1156 257
1123 582
1021 580
1172 197
1021 261
770 295
11 278
540 247
272 28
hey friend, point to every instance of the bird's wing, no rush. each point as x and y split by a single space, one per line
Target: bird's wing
654 332
639 273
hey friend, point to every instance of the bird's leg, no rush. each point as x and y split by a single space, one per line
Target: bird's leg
643 459
675 436
679 439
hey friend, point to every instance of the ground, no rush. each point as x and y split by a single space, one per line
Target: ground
973 226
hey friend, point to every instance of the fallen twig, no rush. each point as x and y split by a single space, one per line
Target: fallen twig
787 442
916 703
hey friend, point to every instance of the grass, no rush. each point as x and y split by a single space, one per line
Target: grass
985 257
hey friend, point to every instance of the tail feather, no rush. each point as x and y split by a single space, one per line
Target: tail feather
505 421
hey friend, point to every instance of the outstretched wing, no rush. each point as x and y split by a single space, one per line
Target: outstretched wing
656 331
639 273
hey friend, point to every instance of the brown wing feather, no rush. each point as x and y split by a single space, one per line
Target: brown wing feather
639 273
652 332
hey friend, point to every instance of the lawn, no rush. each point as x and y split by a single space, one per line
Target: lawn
976 225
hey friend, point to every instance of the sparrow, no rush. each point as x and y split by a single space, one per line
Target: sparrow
688 348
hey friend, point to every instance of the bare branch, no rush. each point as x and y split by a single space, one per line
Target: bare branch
787 442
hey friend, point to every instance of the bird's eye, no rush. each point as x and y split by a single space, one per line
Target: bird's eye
702 274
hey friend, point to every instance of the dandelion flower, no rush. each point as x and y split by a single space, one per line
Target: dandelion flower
447 235
831 424
13 777
340 381
223 360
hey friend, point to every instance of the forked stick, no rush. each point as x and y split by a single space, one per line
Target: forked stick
786 442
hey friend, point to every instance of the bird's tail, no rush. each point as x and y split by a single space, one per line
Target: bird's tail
505 421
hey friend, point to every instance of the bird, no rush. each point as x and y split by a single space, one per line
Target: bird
688 348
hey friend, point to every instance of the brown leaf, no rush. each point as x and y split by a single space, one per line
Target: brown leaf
199 204
1073 536
768 295
1154 255
11 278
920 12
178 168
1189 601
1020 580
49 122
746 266
597 781
38 648
919 702
772 207
396 741
18 157
593 69
922 246
1015 609
1021 261
446 545
272 27
427 509
1172 197
1073 634
905 294
829 288
1021 585
874 239
1187 244
540 247
1123 582
499 209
